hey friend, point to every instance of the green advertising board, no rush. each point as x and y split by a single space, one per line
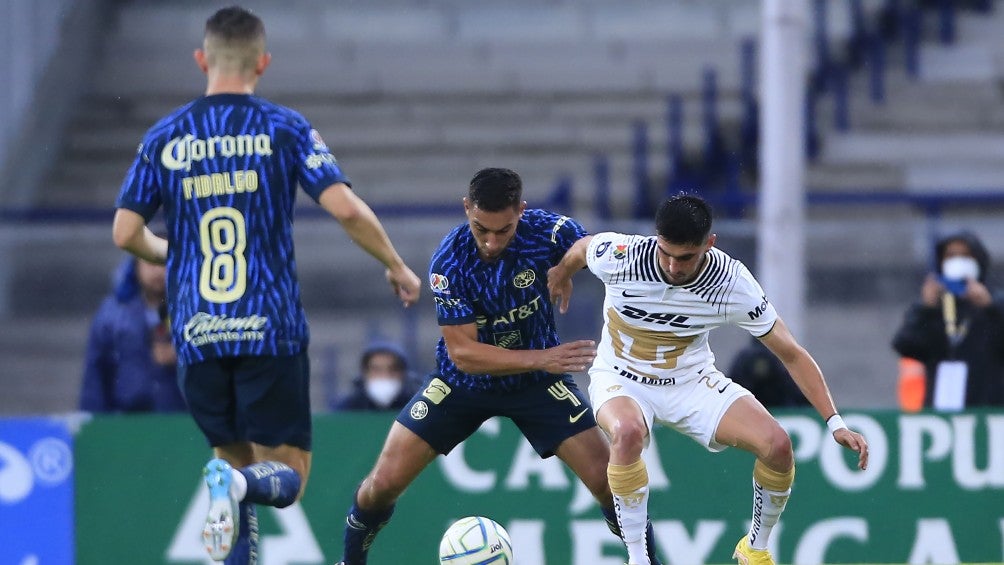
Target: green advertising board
933 493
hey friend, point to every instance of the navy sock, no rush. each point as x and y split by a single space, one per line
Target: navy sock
610 515
271 483
245 550
361 527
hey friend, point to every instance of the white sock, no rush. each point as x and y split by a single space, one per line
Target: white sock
238 486
767 508
632 516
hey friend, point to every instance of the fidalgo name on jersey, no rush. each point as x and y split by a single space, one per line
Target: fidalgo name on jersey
218 184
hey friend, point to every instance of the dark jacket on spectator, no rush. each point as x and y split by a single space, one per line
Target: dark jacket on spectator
120 374
922 336
762 373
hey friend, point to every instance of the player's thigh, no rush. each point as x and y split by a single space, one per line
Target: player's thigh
443 415
548 413
273 400
696 408
208 390
749 426
621 402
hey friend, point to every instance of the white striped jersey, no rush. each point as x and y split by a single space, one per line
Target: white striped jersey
655 330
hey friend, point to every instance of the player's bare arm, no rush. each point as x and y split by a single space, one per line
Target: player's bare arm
130 234
474 357
559 277
365 229
809 378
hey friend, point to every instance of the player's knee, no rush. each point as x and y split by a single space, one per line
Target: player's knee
779 454
628 436
382 488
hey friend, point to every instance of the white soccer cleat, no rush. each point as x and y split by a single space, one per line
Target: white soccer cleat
221 521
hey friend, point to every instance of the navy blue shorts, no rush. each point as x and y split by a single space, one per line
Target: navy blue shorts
547 413
261 399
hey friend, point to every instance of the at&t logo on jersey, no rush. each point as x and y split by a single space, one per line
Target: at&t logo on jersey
181 152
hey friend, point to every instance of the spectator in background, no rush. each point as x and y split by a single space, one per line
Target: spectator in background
957 328
763 374
130 364
383 382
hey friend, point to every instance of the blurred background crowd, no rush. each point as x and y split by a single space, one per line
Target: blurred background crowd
603 107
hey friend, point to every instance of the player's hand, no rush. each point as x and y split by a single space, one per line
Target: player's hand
405 283
856 443
559 286
571 357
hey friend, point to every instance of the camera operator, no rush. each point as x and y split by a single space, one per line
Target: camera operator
957 329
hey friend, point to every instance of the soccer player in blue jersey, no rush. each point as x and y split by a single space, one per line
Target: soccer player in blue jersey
224 168
499 356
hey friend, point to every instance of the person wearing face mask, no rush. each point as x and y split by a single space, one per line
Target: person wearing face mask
957 328
383 382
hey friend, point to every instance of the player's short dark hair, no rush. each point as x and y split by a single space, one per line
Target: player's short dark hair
235 23
495 189
236 29
684 219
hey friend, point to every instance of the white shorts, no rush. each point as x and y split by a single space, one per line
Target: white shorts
693 408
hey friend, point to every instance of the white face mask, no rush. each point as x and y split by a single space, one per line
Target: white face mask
382 390
960 268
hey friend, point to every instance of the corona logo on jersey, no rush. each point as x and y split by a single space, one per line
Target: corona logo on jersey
181 152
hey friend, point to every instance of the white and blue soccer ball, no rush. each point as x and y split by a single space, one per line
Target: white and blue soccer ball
475 540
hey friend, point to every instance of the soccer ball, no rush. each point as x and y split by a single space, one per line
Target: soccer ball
475 540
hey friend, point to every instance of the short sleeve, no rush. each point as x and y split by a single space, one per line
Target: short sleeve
316 167
449 291
608 253
564 233
748 305
140 190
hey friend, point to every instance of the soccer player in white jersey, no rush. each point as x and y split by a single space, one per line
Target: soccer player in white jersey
664 294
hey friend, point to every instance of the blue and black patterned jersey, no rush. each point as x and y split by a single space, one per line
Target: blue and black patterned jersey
507 298
225 168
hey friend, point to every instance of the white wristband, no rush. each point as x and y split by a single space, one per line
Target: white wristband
835 422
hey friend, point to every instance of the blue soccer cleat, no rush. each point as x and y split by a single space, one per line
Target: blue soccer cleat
221 526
